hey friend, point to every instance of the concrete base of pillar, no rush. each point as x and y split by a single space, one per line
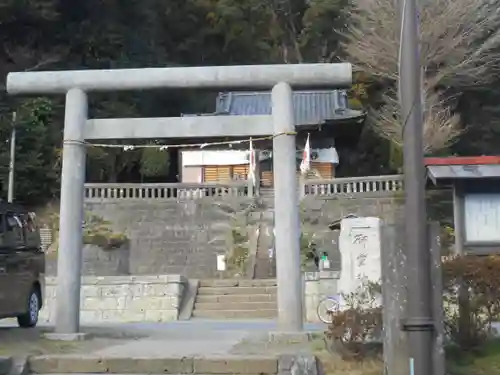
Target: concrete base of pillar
280 337
80 336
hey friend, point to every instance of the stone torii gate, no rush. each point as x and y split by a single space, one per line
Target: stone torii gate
78 128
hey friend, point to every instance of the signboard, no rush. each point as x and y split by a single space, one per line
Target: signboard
221 262
482 218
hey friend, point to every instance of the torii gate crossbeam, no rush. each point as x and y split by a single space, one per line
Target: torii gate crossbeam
77 127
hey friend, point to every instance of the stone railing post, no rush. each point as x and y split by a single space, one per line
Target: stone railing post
251 188
257 174
302 187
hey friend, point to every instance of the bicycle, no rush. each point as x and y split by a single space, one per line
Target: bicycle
327 307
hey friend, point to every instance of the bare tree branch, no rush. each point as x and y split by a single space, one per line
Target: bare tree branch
25 59
459 40
30 60
441 126
47 61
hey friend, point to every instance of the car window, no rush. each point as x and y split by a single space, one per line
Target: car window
2 230
14 228
12 223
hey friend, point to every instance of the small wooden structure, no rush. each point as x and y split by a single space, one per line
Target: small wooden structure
476 200
323 115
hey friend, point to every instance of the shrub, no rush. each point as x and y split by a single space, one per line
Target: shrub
447 239
96 231
468 321
307 250
357 324
468 327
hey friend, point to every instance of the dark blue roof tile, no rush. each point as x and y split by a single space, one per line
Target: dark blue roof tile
311 107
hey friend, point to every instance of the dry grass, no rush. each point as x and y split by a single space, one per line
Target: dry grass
334 365
331 364
482 361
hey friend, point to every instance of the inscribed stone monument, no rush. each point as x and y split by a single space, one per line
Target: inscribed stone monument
359 245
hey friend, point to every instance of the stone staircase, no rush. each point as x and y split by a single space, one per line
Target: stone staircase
236 299
265 268
267 194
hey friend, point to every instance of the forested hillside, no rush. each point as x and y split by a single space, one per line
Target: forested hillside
92 34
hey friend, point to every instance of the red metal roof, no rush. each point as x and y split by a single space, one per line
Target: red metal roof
461 172
463 160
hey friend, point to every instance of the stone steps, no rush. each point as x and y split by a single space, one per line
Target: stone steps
236 306
212 298
236 290
90 364
236 299
235 314
265 267
237 282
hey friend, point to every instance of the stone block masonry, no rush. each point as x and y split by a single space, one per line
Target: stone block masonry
178 236
120 299
221 364
321 212
96 261
167 237
318 285
71 364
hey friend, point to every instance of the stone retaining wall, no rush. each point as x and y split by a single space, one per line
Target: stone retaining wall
96 261
180 365
166 237
224 364
184 237
118 299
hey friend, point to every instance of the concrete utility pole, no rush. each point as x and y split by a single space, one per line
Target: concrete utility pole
77 128
10 191
419 323
286 212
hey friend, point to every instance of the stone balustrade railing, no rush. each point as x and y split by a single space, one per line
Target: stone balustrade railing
354 185
162 191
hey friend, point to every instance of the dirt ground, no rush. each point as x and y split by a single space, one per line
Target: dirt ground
15 341
23 342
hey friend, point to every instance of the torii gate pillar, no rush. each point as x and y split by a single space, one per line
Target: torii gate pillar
77 128
71 214
286 212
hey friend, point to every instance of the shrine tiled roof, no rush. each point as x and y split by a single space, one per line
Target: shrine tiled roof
311 107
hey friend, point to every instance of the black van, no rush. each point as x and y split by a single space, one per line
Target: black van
22 265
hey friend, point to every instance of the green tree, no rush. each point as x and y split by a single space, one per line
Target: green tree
290 31
53 34
154 162
36 156
481 115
